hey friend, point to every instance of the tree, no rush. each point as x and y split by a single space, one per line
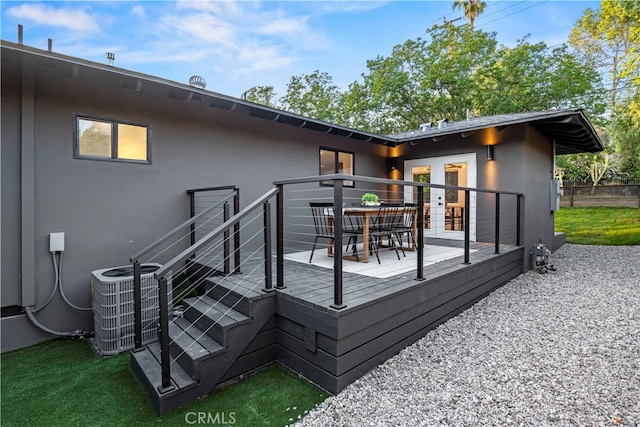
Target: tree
531 77
424 81
313 95
597 169
626 132
264 95
609 40
459 69
470 8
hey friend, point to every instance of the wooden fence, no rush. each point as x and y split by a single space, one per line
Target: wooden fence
601 195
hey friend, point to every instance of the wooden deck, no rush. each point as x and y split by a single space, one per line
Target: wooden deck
333 348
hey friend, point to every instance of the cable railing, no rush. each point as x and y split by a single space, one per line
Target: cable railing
461 217
201 260
415 213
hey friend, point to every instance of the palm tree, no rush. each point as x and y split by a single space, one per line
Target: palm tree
471 8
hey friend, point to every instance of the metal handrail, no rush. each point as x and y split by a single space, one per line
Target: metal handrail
342 177
191 250
180 227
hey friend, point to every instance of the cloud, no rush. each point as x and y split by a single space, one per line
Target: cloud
285 26
72 19
139 11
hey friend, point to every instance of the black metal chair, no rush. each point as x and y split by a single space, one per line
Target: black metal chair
386 224
324 226
408 225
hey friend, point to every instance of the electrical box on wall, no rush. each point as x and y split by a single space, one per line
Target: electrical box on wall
555 193
56 242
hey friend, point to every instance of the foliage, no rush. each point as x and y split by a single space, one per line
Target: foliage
369 198
597 169
264 95
453 71
312 95
608 39
470 8
62 383
599 226
626 131
531 77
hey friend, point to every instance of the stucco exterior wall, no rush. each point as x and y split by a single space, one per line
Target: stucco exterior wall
523 163
109 210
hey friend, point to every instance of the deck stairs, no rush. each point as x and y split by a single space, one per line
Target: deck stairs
206 340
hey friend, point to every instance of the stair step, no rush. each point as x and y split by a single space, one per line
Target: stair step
211 345
249 286
149 362
237 297
213 317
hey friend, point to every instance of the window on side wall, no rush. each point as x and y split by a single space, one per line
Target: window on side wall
336 161
99 139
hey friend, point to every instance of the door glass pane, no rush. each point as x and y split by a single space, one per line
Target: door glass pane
423 174
455 174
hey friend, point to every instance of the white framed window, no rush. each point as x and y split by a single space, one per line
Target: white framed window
99 139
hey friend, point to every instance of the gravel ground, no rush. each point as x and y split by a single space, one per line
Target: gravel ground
556 349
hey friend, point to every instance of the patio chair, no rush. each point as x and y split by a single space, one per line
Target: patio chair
408 225
322 217
386 224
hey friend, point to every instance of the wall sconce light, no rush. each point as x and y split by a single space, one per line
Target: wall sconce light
393 163
489 152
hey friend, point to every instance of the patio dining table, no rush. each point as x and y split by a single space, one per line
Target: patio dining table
366 213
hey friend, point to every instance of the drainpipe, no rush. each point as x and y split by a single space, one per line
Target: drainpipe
28 184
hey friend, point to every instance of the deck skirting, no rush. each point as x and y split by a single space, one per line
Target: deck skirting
333 349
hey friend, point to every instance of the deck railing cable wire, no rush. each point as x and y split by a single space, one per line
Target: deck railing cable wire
481 216
202 259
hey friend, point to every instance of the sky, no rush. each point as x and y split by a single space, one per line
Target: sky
235 45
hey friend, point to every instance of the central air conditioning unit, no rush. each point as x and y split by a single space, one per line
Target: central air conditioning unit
113 307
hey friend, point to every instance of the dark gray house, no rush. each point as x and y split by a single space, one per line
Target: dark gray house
109 157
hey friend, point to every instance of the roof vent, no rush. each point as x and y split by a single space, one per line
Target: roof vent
442 123
425 126
197 81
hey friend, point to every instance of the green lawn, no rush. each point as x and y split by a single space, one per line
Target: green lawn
62 383
599 226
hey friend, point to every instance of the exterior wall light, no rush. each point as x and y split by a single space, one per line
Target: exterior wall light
393 163
489 152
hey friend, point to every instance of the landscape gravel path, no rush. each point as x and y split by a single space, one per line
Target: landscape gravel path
555 349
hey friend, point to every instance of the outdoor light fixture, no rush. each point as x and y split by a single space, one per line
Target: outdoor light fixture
489 152
393 163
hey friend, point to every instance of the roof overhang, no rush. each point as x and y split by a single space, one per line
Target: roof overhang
76 67
569 129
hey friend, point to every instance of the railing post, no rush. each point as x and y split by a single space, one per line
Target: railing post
337 245
497 238
268 272
137 306
280 238
225 240
192 213
236 233
163 336
519 220
420 242
467 225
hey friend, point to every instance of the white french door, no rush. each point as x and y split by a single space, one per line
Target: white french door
444 209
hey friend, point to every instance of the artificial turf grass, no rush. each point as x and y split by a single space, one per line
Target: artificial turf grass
61 382
599 225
